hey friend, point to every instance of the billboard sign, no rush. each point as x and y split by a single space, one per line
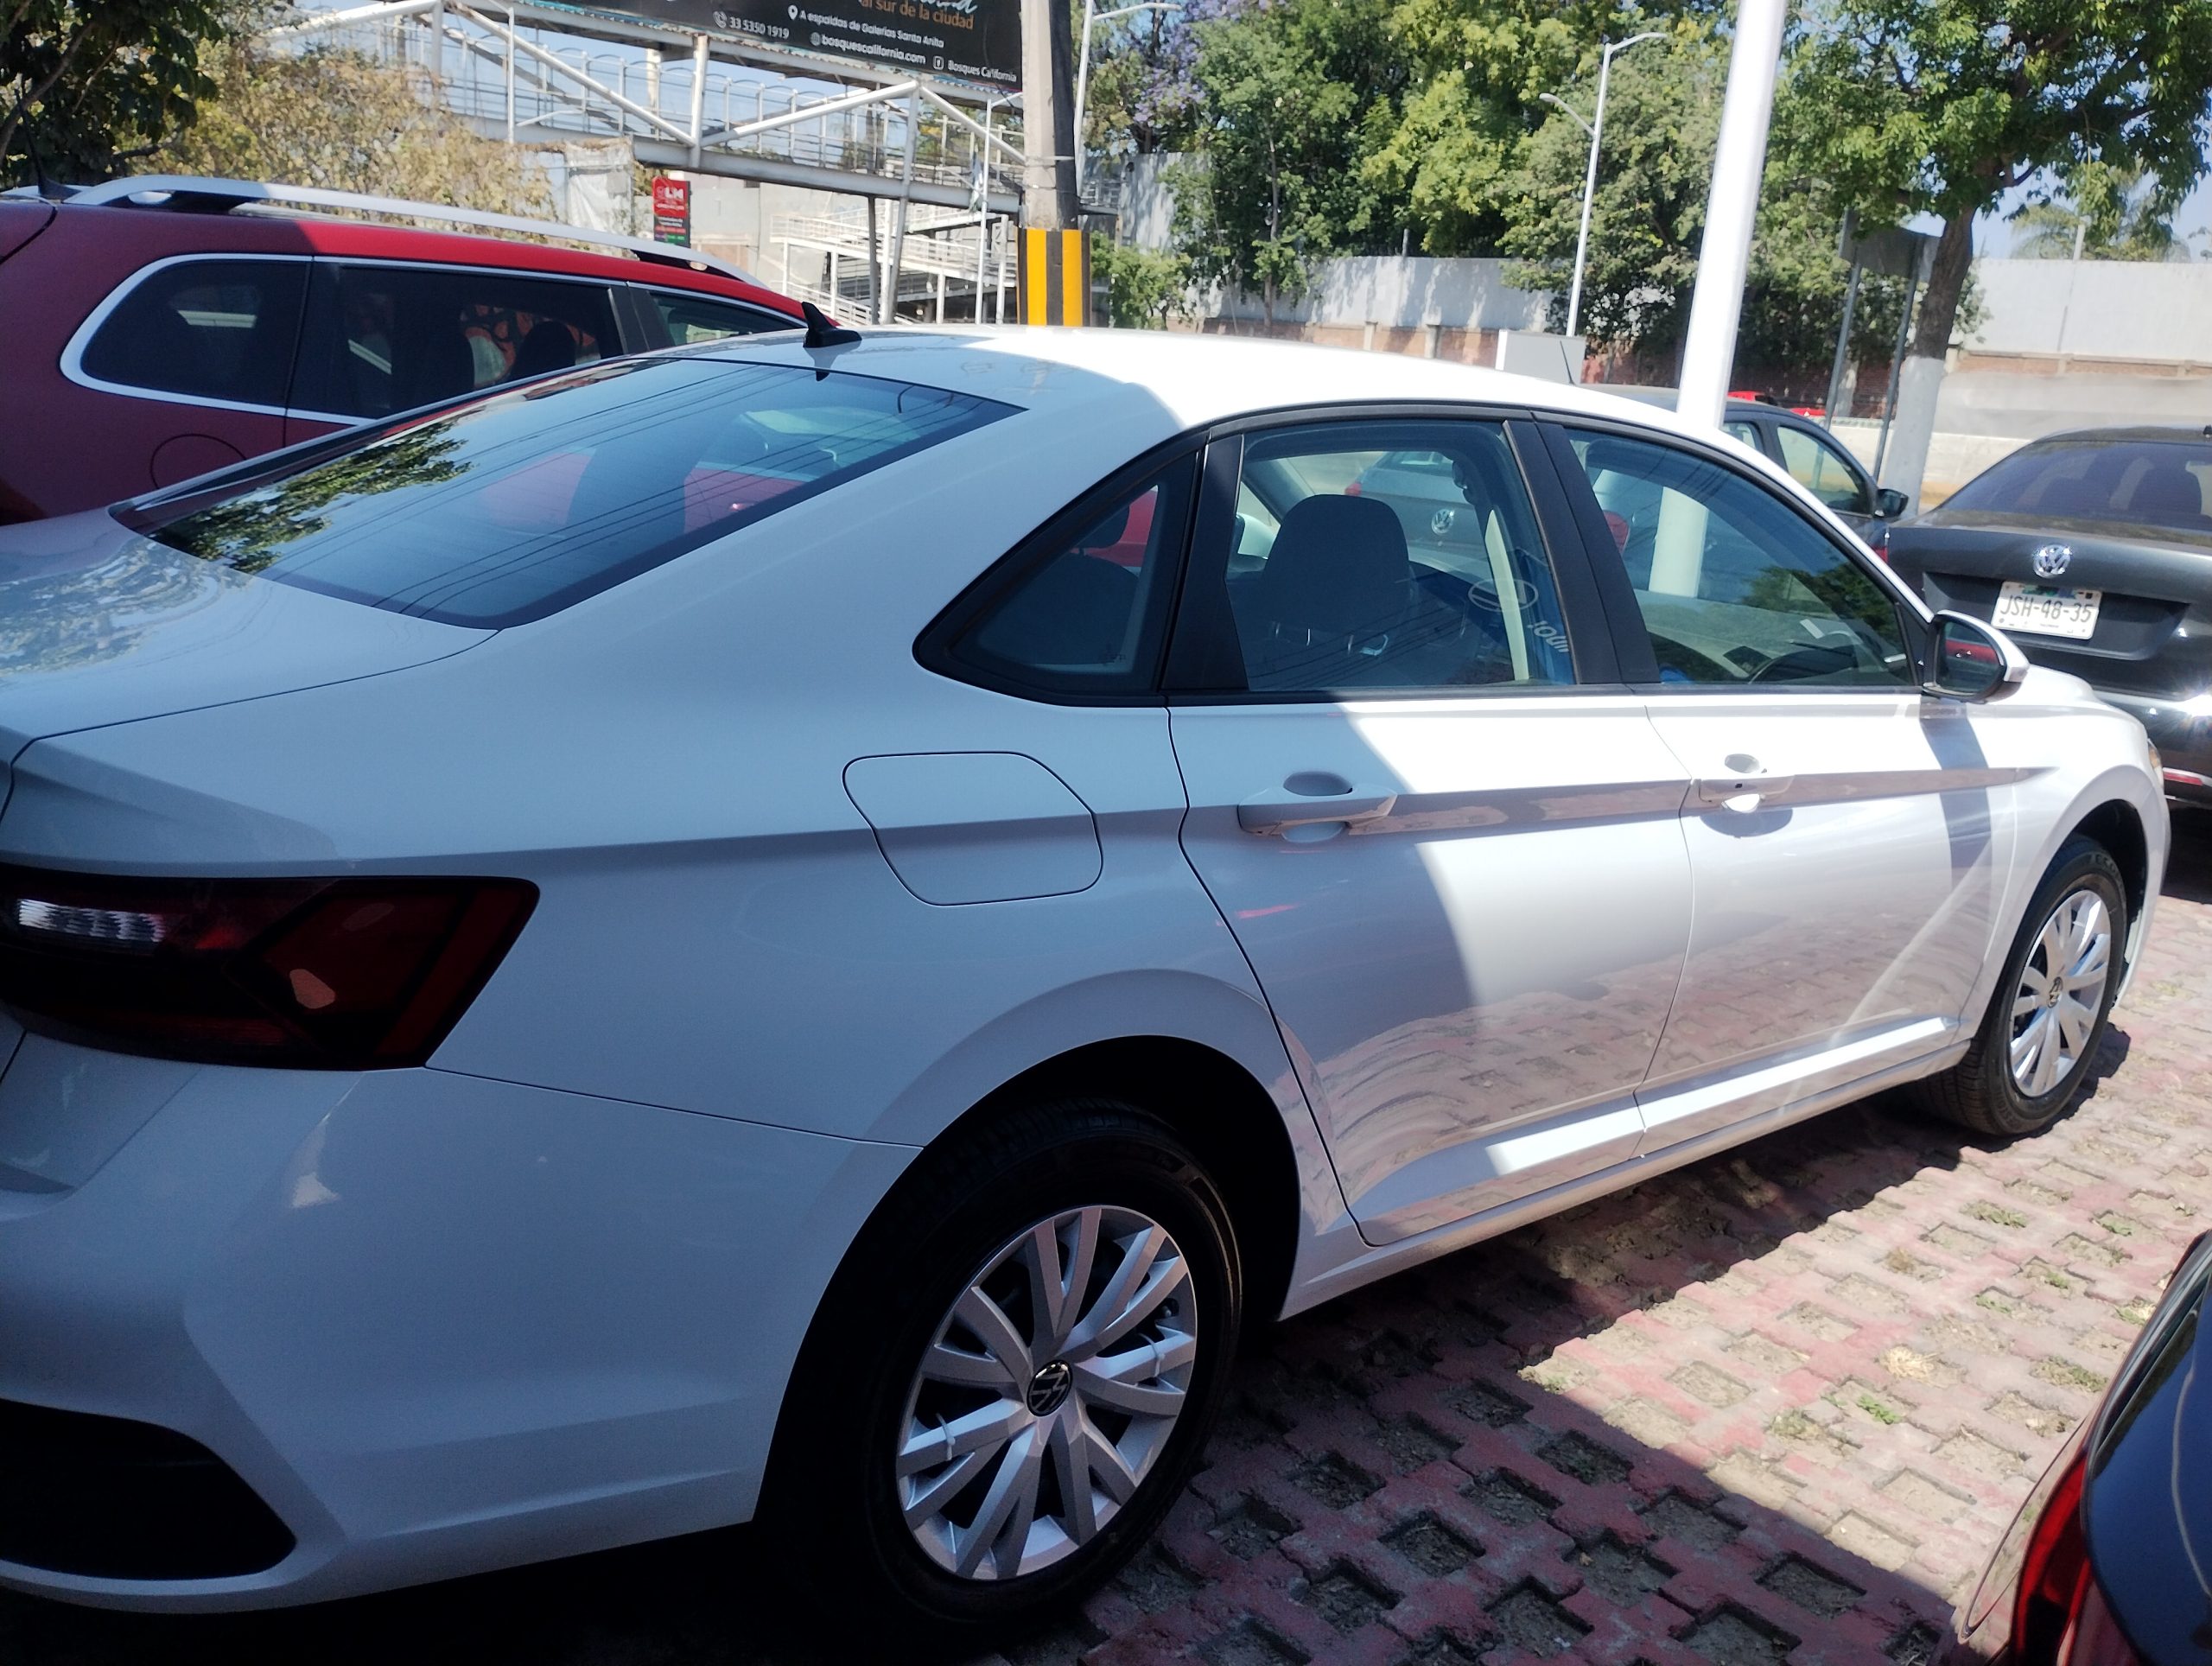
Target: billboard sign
977 40
672 210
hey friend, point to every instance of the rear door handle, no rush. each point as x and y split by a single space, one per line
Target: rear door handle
1311 800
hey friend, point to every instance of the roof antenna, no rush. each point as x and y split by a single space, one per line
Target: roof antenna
821 332
47 190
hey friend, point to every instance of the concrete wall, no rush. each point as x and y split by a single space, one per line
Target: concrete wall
1403 292
1147 201
2148 314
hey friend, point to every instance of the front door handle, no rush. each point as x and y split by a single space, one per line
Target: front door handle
1311 799
1745 791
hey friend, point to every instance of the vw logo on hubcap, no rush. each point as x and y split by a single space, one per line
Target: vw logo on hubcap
1048 1390
2052 560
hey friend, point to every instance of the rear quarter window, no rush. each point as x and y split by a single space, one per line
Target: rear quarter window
512 508
206 329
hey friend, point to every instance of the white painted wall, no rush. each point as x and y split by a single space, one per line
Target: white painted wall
1405 292
2096 309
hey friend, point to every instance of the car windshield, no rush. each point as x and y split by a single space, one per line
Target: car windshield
512 508
2161 483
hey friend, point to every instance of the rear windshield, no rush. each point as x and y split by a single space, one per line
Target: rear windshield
2161 483
510 509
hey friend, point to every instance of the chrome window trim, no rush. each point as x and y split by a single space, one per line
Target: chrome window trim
72 353
247 193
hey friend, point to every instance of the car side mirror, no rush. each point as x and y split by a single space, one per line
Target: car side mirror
1890 503
1969 660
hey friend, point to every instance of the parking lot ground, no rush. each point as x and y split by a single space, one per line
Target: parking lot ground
1777 1407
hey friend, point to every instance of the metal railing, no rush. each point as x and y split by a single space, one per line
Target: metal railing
825 258
536 84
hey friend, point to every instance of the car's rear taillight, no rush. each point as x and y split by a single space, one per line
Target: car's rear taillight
335 974
2059 1616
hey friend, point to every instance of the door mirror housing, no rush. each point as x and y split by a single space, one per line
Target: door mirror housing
1968 659
1890 503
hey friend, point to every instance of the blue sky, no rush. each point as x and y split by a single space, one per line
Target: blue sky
2195 214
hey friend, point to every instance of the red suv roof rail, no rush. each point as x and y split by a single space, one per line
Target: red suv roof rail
187 192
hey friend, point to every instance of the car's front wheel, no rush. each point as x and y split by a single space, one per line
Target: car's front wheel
1011 1374
2030 1059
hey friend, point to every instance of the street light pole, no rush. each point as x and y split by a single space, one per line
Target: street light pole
1091 16
1596 129
1724 256
1048 195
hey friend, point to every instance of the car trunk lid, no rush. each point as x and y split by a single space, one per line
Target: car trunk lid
2149 584
99 625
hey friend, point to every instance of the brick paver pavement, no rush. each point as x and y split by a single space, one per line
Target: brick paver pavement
1773 1408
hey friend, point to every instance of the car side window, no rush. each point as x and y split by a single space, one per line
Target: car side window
699 318
1735 586
1817 466
385 339
1402 555
212 329
1086 611
1747 432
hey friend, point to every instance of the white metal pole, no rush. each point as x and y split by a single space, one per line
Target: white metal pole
983 208
898 221
510 76
1589 193
1082 88
874 269
1725 259
698 98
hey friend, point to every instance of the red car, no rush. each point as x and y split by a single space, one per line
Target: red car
159 328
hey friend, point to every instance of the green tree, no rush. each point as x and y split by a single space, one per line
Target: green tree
86 87
1662 122
1662 119
1940 106
2110 214
344 121
1144 88
1145 288
1480 68
1297 95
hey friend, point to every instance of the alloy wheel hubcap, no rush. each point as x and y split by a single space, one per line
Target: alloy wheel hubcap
2060 992
1047 1393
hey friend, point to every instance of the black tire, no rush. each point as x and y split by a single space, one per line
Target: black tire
832 1495
1980 1092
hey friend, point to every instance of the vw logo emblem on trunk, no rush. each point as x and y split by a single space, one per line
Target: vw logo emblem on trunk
1440 522
2052 560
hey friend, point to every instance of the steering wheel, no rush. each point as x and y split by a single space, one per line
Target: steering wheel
1688 662
1797 664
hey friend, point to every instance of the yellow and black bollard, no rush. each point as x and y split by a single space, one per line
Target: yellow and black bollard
1055 276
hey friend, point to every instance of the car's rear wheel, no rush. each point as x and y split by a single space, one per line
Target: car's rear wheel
1011 1374
2031 1057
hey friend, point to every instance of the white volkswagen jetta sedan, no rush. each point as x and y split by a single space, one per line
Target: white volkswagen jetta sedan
808 932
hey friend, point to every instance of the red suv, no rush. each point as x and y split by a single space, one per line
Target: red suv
158 329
